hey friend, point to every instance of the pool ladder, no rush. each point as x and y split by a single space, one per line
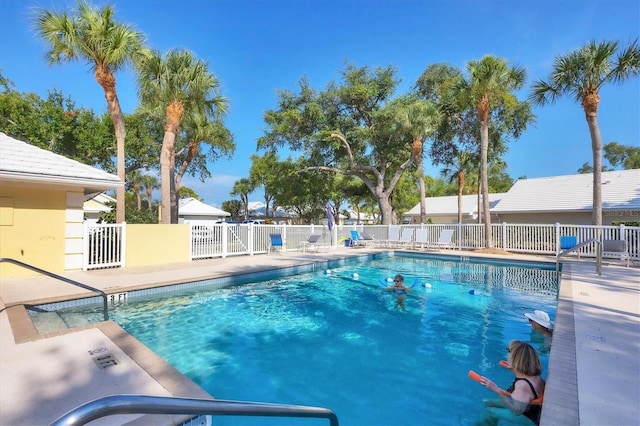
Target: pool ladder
141 404
105 304
578 247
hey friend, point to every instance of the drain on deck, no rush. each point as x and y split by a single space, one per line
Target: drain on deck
106 360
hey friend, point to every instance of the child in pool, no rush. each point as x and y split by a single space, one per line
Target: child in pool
400 290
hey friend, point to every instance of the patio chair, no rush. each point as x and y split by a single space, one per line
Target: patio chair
394 236
275 243
368 239
406 237
445 239
312 243
422 238
361 239
616 249
357 240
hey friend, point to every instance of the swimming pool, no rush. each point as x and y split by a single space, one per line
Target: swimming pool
334 339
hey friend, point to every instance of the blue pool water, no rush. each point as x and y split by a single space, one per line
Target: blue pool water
335 340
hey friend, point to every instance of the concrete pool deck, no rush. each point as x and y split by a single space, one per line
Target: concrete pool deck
593 374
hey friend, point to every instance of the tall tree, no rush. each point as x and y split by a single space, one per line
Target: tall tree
346 130
580 74
627 157
490 83
150 184
93 35
457 170
242 188
419 119
175 85
206 141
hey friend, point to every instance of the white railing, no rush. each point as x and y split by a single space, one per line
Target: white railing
105 244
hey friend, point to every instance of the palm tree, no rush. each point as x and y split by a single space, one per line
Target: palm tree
581 74
419 119
134 179
457 171
150 184
243 188
92 35
200 129
491 81
177 85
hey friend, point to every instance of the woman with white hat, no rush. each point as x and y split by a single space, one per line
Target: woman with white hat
540 322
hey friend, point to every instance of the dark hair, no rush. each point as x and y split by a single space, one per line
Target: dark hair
398 277
524 358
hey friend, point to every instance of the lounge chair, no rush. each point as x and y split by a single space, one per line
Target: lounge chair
406 237
368 239
357 240
444 241
361 239
275 243
616 249
312 243
422 238
394 236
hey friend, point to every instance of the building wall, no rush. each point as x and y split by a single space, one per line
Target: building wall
157 244
33 228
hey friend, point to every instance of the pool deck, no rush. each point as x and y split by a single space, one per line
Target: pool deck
594 367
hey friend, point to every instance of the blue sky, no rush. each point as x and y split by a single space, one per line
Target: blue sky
258 47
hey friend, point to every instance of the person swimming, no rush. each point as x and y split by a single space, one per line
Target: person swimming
400 290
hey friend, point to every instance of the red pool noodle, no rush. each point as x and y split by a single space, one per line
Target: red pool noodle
475 376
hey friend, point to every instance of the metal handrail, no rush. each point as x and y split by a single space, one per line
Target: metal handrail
61 278
579 246
142 404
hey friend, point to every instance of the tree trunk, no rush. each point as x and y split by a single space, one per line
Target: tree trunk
107 81
484 182
386 211
168 145
423 202
460 189
174 113
590 105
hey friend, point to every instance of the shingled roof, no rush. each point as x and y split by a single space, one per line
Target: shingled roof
29 165
572 193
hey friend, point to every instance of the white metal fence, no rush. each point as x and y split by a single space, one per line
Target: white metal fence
105 244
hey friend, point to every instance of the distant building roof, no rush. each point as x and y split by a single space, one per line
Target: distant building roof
27 164
572 193
98 204
191 207
448 205
258 209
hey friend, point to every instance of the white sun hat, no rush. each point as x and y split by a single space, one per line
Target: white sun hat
541 317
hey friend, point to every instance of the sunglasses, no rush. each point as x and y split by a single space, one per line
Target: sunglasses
397 281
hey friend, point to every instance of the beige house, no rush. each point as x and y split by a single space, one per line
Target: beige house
556 199
41 206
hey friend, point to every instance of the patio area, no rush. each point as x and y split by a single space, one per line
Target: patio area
593 377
